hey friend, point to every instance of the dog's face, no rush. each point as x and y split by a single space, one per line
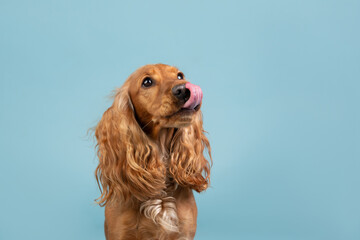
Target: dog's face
161 95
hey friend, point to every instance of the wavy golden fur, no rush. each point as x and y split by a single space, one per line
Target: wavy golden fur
151 155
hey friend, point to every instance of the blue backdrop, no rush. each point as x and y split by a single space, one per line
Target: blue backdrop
281 105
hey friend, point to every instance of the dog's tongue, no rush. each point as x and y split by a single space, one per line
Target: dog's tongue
195 96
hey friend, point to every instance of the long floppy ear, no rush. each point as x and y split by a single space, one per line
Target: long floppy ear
189 167
129 164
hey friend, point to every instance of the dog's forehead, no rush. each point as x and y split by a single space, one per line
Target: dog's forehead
168 69
161 69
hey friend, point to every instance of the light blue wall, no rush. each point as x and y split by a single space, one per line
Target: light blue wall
281 105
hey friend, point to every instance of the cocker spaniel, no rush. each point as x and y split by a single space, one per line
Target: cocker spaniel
150 145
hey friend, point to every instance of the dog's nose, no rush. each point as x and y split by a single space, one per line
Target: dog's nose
181 92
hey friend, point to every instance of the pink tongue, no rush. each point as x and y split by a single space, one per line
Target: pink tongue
195 96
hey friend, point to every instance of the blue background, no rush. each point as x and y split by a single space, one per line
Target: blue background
281 105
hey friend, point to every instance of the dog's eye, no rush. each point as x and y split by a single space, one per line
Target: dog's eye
180 76
147 82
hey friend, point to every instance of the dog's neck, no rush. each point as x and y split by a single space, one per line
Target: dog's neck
163 138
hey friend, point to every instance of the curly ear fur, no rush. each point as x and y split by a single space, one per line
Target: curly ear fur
129 163
189 167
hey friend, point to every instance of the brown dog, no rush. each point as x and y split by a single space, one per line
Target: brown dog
150 146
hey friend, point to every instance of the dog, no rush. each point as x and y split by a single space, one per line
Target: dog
150 145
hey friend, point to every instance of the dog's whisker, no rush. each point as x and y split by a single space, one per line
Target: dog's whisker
146 124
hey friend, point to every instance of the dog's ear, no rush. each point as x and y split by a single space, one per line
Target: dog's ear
129 163
189 167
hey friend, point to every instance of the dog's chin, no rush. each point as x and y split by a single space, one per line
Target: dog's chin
177 124
181 118
180 124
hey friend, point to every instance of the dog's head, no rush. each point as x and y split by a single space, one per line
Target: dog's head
162 97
